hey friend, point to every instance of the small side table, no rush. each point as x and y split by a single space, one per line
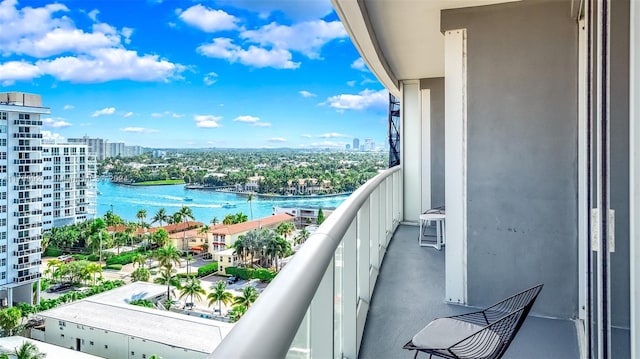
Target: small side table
439 218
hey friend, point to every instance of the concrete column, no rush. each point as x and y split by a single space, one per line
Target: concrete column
634 171
411 143
455 167
9 297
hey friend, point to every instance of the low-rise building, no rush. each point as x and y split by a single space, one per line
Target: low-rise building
224 235
108 326
226 258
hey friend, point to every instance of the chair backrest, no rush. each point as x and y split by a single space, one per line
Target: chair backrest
492 341
526 298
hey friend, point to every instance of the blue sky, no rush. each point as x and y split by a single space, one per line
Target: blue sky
228 73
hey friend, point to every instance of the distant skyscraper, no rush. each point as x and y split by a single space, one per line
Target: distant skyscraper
348 147
97 146
21 193
356 144
369 144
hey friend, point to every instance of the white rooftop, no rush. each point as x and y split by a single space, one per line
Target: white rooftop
109 311
8 345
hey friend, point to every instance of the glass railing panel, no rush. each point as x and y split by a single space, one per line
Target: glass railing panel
300 346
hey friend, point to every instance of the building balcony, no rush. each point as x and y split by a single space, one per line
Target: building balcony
27 251
28 148
27 135
21 240
27 200
27 265
27 213
26 278
21 227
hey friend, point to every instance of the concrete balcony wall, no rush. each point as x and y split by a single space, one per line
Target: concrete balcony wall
522 224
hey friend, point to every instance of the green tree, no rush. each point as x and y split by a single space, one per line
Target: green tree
320 218
160 217
192 288
140 274
215 221
220 295
167 276
285 229
27 350
167 256
302 236
184 215
250 200
141 215
236 313
9 320
248 295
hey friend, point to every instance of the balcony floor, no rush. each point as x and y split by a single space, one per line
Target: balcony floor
410 293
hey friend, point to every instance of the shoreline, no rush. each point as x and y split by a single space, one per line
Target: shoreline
268 195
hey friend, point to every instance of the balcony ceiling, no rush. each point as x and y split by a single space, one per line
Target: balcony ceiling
400 39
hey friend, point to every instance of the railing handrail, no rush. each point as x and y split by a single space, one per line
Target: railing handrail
270 325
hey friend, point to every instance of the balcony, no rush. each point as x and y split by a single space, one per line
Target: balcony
27 265
28 277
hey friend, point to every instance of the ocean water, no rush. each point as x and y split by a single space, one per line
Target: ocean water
128 200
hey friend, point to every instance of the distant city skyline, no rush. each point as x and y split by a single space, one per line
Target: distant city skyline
223 74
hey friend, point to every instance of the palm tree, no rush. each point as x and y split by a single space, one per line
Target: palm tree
192 289
184 215
167 276
236 313
27 350
139 259
160 217
285 229
302 236
250 200
97 227
167 256
247 297
141 216
215 221
220 295
93 269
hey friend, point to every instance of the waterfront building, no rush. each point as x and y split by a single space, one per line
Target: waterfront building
303 216
108 326
97 146
69 186
132 151
115 149
21 193
224 235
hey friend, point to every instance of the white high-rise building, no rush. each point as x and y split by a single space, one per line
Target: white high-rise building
69 191
20 195
97 146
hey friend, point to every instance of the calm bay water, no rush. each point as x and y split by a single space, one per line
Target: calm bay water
128 200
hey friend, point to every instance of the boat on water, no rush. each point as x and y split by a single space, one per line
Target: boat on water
98 193
228 205
188 199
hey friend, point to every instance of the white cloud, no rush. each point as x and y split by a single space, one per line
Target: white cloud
207 121
247 119
93 14
157 114
305 37
223 48
104 111
333 135
277 139
17 70
126 33
68 107
139 130
84 56
166 113
363 100
55 123
262 124
307 136
208 20
176 115
294 10
360 65
128 114
325 144
48 135
211 78
351 83
110 64
306 93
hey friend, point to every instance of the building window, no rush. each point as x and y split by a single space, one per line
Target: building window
3 275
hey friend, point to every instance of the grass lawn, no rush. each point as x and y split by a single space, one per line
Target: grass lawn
159 183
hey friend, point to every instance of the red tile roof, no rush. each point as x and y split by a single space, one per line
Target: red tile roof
224 229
